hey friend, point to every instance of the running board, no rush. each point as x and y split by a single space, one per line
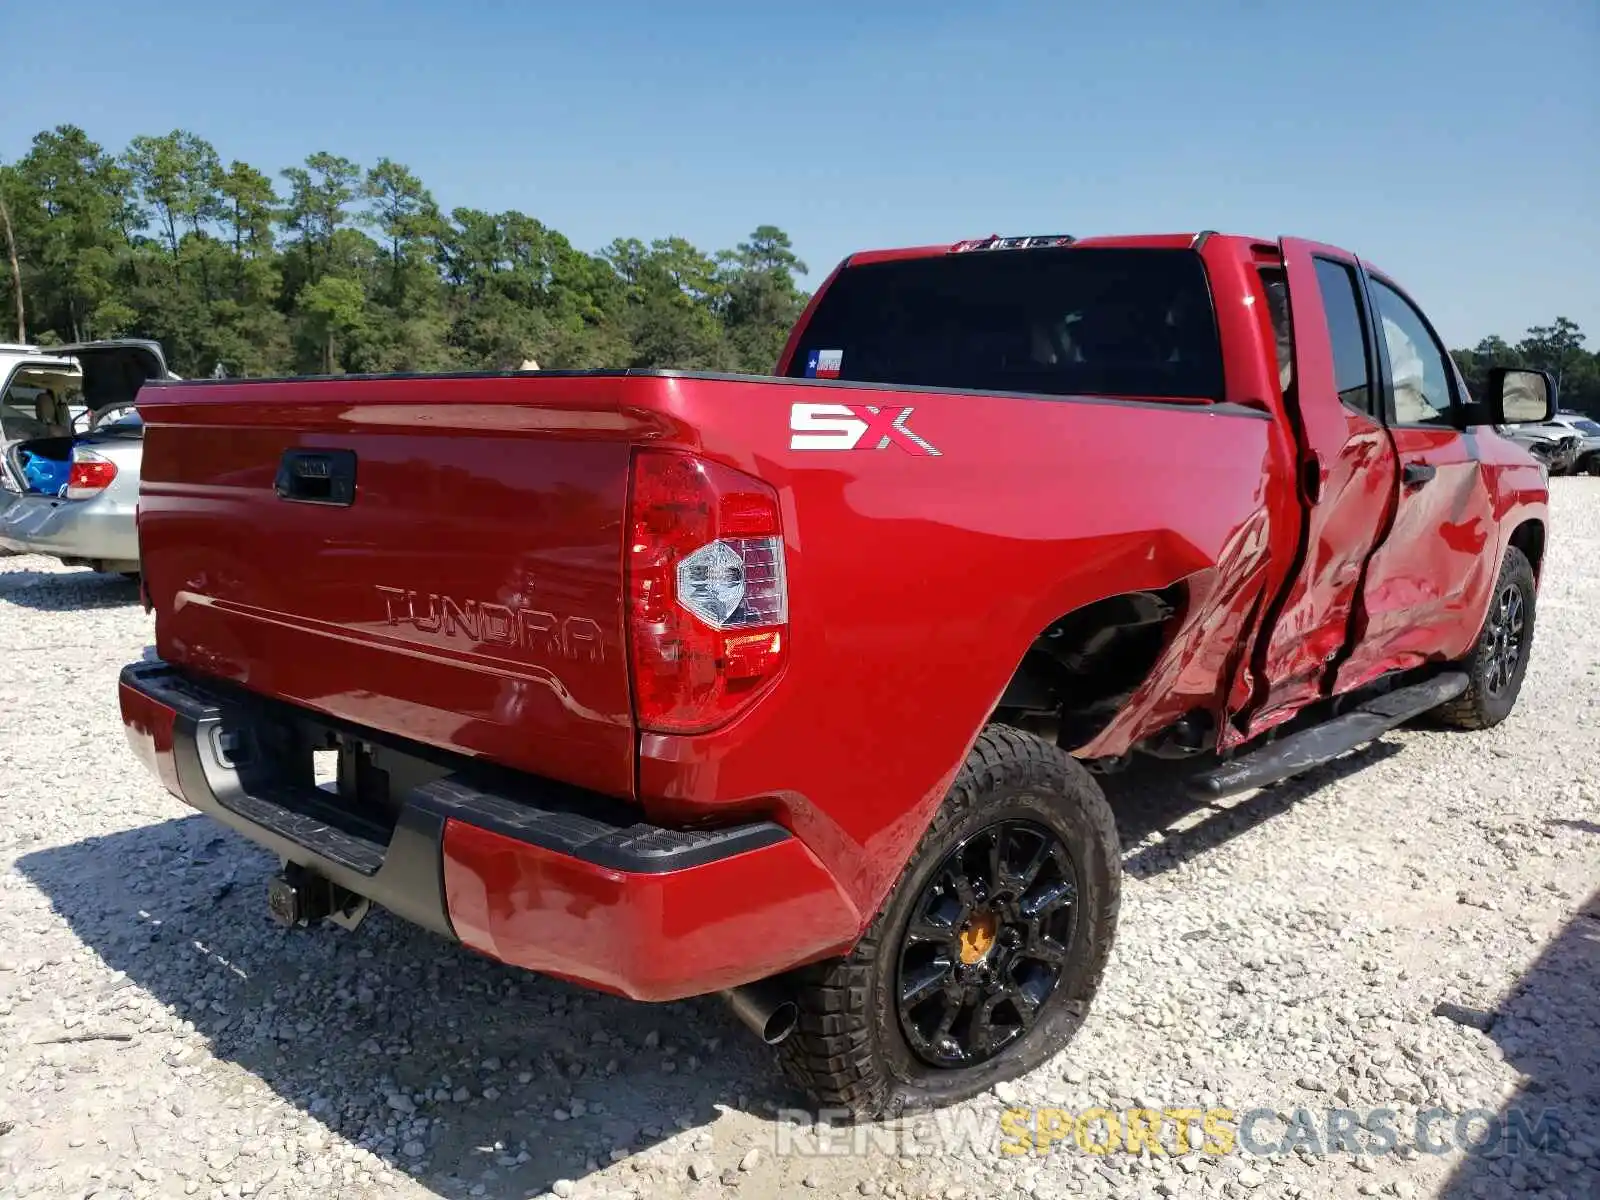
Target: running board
1299 752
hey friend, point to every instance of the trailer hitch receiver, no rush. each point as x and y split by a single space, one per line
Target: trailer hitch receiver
297 896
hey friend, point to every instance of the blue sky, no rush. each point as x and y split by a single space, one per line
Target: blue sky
1457 145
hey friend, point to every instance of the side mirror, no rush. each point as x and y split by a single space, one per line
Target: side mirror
1516 395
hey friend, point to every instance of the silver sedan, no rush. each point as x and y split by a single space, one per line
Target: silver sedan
91 524
70 471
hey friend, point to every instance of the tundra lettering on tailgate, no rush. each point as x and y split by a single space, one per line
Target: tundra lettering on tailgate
854 427
493 624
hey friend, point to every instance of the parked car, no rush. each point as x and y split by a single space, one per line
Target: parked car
1557 444
791 689
71 442
1587 429
1565 450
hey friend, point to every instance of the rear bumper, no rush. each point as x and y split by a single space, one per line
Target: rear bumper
87 530
532 873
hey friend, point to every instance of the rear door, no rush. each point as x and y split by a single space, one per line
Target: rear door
1347 476
1426 585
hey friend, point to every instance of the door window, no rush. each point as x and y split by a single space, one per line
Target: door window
1347 333
1422 392
1275 282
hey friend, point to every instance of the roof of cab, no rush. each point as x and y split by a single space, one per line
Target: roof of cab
1132 241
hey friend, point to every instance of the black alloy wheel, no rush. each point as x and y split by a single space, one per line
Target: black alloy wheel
1506 643
987 952
986 943
1498 661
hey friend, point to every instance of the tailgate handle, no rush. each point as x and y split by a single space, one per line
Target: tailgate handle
317 477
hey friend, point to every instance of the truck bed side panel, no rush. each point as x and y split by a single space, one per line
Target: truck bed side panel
917 582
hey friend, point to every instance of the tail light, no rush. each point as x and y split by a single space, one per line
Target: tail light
708 597
90 475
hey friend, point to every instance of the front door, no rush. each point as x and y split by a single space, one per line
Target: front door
1427 585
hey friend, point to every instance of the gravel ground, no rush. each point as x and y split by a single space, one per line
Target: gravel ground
1417 926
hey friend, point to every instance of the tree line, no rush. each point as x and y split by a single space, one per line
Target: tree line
1557 348
332 267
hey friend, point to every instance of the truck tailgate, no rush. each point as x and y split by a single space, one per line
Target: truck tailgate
434 558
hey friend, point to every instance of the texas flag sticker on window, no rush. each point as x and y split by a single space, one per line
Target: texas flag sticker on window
824 364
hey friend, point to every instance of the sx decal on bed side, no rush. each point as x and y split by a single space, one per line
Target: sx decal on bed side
854 427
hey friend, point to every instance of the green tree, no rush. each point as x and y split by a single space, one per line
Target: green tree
356 269
19 307
1489 352
249 206
669 316
333 311
1557 347
404 212
178 175
70 223
762 299
318 194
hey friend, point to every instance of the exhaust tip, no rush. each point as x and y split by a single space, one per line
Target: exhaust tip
781 1023
766 1008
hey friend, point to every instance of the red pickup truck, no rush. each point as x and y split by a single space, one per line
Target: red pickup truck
793 688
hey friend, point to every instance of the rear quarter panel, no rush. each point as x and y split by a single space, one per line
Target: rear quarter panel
917 582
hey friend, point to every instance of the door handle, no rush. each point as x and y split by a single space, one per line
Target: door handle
1415 474
317 477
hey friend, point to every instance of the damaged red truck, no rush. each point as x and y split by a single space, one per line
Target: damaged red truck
794 689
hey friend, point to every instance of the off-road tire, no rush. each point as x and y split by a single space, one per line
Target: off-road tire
848 1051
1480 707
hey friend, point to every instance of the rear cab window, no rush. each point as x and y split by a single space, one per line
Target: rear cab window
1134 323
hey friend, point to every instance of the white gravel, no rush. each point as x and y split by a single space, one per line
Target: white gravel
160 1037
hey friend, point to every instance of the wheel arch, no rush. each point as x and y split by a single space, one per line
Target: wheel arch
1084 666
1529 537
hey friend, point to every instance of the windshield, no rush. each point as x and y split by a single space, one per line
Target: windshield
1586 426
1108 322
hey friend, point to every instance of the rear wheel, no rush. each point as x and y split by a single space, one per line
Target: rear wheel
988 951
1499 659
